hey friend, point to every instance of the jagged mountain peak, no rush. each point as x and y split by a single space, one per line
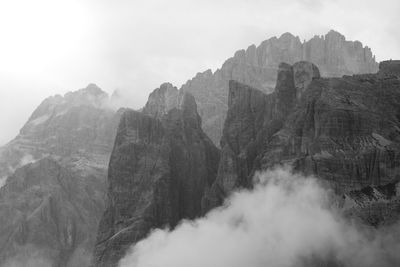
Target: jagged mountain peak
288 36
257 66
166 98
334 33
79 124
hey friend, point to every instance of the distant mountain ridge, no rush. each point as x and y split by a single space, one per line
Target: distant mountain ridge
54 196
257 67
78 124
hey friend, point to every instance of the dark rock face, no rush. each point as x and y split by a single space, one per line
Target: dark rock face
161 166
249 110
48 213
54 195
344 130
374 205
257 66
390 67
253 118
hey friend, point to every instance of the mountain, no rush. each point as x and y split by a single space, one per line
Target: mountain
345 131
161 166
48 215
78 128
257 66
54 196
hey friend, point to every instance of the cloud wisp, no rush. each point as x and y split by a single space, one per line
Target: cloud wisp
286 220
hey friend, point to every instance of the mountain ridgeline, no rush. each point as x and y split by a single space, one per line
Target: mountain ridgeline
257 67
342 130
83 182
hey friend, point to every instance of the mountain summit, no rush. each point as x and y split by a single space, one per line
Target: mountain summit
257 66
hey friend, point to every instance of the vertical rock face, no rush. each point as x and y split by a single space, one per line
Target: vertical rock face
390 67
248 110
253 118
257 66
54 196
344 130
304 72
161 166
48 214
162 100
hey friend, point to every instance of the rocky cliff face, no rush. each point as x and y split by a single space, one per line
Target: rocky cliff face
78 128
54 195
257 66
344 130
374 205
48 214
161 166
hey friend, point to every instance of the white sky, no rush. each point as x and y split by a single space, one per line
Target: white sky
54 46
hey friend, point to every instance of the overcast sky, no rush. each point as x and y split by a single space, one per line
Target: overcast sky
54 46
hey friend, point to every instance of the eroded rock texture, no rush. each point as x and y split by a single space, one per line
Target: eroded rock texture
78 128
374 205
48 215
344 130
257 67
54 196
161 166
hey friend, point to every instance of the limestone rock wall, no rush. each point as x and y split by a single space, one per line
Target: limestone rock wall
257 66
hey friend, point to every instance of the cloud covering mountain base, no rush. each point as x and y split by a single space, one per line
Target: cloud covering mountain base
286 220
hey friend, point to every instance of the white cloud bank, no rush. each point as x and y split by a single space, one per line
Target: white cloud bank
287 220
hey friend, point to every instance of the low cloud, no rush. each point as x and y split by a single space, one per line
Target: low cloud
286 220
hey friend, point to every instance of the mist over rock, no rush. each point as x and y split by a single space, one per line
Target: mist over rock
54 196
257 66
162 100
160 168
75 127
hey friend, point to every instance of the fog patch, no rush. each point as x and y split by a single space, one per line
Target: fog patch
3 181
79 258
26 159
287 220
122 99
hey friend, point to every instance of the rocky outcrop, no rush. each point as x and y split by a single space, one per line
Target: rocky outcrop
54 196
162 100
390 67
161 166
343 130
374 205
253 118
48 214
257 66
